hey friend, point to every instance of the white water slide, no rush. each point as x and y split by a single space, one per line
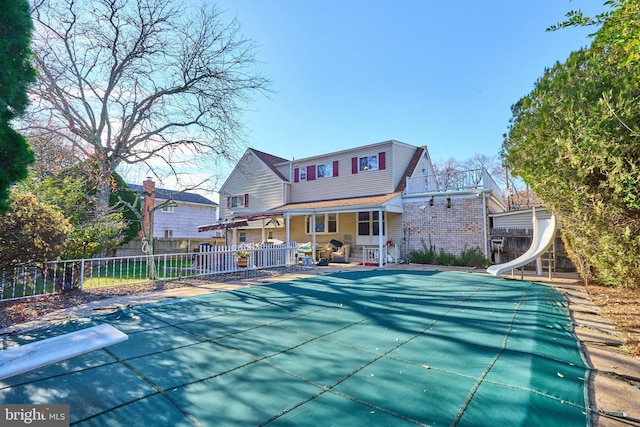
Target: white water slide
544 233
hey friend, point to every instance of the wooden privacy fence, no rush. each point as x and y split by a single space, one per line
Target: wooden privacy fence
508 244
56 276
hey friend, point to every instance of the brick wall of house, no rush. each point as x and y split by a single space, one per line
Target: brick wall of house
453 229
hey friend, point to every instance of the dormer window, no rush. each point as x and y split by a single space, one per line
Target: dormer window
368 163
325 171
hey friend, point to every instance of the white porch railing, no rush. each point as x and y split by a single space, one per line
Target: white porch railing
55 276
371 255
452 181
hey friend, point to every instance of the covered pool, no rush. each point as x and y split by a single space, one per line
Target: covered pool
374 348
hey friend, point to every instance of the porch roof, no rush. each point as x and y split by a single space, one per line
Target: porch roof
389 202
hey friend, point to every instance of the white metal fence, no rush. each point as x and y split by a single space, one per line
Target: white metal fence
56 276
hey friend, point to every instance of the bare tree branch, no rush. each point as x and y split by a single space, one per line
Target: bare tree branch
141 81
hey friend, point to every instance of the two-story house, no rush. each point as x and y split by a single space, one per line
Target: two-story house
175 214
371 196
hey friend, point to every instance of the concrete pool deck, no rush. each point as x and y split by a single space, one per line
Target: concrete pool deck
598 336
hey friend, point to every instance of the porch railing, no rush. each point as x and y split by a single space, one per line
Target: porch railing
371 255
56 276
452 181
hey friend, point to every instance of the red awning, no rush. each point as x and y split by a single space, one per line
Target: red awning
222 226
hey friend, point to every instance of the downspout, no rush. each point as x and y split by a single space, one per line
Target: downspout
484 224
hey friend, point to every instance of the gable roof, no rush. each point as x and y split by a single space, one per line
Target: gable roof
185 197
402 184
270 160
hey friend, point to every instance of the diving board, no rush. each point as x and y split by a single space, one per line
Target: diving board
24 358
544 233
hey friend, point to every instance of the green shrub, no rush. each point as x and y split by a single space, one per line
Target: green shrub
473 258
446 258
425 256
467 258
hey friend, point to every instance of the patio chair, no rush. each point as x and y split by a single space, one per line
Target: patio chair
341 255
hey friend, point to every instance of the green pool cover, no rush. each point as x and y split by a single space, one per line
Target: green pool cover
374 348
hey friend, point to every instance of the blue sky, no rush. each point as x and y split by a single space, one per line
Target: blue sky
437 73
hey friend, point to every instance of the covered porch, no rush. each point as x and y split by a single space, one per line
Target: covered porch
368 225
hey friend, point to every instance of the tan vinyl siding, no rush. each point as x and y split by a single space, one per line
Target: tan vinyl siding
348 184
254 178
398 160
519 220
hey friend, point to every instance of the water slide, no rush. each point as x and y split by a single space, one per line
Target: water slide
544 233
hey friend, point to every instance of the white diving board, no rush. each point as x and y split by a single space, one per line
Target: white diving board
27 357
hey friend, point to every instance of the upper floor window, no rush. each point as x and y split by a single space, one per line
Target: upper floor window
167 208
241 201
325 170
237 201
311 172
368 163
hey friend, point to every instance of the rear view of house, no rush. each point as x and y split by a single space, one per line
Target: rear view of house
375 196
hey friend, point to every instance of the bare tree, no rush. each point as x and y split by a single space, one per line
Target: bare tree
141 81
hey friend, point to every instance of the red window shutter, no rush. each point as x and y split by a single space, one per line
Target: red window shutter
296 175
311 172
246 200
382 164
335 168
354 165
228 202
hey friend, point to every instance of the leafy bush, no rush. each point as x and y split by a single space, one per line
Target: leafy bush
467 258
425 256
473 258
31 232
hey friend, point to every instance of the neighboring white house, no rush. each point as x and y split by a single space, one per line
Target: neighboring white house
177 214
380 194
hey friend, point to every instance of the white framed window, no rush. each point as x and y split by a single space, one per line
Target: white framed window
242 236
368 163
369 223
167 208
237 201
325 223
168 234
303 173
324 171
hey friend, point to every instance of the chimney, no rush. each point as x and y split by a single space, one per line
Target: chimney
149 202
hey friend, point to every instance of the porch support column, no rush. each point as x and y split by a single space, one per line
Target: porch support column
380 237
287 221
313 236
264 234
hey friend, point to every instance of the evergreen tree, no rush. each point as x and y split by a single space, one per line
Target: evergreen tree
16 73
